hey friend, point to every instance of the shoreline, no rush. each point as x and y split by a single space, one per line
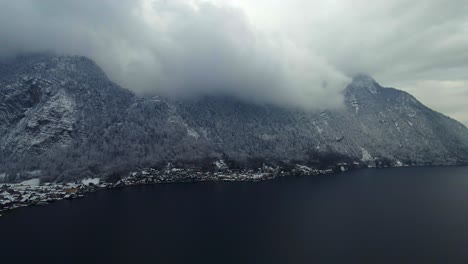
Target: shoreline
32 193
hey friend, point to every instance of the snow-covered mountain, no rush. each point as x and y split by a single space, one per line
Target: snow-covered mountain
60 116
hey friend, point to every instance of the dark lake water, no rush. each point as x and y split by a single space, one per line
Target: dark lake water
407 215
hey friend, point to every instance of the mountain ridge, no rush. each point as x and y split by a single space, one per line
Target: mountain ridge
63 118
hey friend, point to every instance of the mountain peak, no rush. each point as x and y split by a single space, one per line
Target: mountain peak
364 81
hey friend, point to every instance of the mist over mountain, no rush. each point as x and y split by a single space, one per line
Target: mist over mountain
175 48
296 53
61 118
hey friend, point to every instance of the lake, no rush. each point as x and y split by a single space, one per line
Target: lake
403 215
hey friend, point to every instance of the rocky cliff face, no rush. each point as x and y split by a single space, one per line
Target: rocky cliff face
61 117
48 101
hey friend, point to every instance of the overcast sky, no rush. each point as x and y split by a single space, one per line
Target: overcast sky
295 52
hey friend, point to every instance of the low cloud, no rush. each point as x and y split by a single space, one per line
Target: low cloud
299 52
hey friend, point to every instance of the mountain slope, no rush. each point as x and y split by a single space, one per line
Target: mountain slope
376 123
63 119
48 101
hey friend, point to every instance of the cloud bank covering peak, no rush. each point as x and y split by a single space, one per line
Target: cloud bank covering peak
297 52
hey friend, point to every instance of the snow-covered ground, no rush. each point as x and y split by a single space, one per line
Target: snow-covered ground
89 181
31 182
221 165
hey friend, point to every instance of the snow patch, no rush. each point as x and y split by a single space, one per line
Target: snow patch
90 181
156 99
7 197
319 129
192 133
303 168
221 165
34 173
324 117
397 126
355 104
365 155
31 182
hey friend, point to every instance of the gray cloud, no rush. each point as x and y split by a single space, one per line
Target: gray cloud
266 50
175 47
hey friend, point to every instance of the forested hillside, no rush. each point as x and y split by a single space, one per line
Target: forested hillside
61 118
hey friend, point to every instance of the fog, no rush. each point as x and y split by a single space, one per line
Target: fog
298 52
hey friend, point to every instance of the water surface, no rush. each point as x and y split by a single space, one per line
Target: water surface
407 215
